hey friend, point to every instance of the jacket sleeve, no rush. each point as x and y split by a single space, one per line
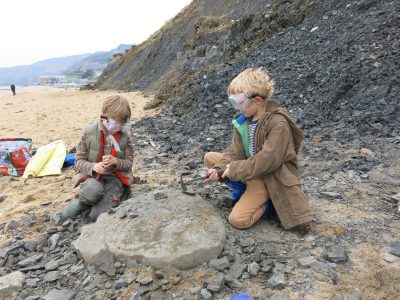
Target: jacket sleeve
125 165
82 165
270 158
233 152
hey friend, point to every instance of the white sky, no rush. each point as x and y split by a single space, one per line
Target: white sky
33 30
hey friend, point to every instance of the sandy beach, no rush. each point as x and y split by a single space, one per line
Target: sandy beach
47 114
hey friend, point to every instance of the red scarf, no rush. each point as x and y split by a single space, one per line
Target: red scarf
118 173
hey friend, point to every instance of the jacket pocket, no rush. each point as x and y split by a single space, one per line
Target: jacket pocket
287 177
292 191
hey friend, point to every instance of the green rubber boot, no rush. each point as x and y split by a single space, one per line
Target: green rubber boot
74 208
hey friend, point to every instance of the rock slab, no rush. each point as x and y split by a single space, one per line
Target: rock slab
180 231
11 283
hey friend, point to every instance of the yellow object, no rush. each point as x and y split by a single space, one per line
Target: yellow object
48 160
317 139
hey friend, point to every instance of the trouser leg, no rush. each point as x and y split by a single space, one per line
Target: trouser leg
250 208
211 158
113 188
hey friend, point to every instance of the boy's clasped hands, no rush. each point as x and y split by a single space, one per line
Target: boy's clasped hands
104 166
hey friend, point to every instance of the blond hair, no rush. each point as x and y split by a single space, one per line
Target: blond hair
117 107
252 82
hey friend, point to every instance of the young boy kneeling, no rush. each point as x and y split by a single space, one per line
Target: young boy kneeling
104 161
261 161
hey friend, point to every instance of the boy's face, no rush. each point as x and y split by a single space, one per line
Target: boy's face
250 108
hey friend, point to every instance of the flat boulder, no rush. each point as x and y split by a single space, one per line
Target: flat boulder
11 283
179 230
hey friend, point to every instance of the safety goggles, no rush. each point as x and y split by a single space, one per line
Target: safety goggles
238 101
115 126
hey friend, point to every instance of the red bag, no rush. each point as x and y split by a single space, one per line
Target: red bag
20 158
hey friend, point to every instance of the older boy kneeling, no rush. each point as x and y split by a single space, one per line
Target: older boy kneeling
261 161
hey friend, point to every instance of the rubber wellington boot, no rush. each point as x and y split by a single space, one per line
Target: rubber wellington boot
74 208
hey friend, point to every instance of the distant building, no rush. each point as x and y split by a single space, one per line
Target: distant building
53 80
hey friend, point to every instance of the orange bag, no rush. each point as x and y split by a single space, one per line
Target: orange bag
20 158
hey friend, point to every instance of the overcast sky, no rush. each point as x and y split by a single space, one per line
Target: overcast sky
33 30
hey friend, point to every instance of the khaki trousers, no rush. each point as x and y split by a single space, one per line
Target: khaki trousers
250 207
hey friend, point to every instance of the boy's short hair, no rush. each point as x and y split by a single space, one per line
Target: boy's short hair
252 82
117 107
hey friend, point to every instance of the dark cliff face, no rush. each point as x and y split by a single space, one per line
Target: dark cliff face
168 47
335 63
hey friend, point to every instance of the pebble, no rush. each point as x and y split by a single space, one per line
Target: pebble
51 276
144 279
56 294
253 268
237 269
219 264
217 284
324 269
51 265
205 294
233 283
135 296
12 225
306 261
331 194
394 248
246 242
195 290
277 281
390 258
29 261
121 283
33 282
57 218
53 240
30 245
158 195
335 254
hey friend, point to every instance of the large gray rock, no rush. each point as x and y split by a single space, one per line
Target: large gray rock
181 231
11 283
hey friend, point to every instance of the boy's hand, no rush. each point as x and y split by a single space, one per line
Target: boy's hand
109 161
226 172
99 168
213 175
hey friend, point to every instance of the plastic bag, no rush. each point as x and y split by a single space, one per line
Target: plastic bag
69 160
20 158
48 160
7 146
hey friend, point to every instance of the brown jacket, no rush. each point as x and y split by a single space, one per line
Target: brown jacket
277 142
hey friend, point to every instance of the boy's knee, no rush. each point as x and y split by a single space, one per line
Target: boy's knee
237 221
91 191
207 158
